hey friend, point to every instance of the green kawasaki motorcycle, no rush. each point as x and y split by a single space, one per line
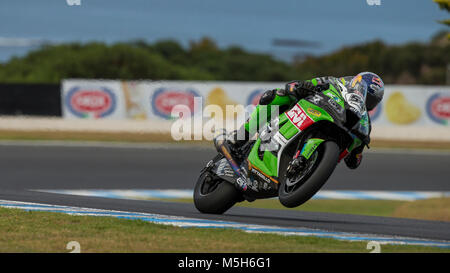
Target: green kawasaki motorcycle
293 156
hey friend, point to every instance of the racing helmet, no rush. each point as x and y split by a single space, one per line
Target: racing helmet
375 88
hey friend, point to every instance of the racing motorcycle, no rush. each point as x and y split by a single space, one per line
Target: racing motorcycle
293 154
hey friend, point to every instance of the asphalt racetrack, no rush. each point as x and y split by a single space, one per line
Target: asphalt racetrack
26 167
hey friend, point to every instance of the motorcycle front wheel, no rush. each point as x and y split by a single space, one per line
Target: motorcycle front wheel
297 190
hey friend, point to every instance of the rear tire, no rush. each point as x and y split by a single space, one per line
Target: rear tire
221 198
328 159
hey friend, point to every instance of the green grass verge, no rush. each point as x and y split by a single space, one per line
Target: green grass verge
25 231
429 209
363 207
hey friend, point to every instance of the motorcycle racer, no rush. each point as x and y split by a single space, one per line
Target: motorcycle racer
362 93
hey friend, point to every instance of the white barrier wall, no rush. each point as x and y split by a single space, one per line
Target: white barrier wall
413 106
152 100
404 108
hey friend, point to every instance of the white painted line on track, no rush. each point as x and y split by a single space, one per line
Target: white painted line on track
205 223
139 194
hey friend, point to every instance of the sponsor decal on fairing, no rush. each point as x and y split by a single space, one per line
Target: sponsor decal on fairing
298 117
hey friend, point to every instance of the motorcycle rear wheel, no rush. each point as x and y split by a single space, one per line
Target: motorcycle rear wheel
215 196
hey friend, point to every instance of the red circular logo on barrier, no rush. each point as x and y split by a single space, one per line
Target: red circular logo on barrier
91 101
96 102
164 100
440 107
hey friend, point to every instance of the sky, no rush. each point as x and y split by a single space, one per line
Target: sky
251 24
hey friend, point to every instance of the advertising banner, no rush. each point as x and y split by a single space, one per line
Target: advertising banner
163 96
413 106
154 100
92 99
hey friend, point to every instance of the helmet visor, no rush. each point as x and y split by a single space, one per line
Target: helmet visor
359 87
356 94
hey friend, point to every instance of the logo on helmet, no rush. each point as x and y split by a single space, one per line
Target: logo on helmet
377 81
356 80
86 102
374 83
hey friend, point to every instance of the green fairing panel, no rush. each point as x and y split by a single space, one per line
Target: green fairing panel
310 146
269 163
253 123
288 130
314 112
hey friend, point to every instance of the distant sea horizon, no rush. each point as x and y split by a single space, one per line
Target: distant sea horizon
323 26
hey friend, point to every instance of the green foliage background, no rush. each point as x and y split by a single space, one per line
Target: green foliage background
412 63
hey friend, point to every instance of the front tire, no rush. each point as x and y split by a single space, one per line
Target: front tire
214 195
327 159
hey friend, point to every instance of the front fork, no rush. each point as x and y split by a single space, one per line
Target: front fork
302 155
309 147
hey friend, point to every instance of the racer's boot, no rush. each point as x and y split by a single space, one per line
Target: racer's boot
226 148
353 160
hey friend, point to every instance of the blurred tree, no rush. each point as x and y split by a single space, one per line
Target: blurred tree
444 4
203 60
